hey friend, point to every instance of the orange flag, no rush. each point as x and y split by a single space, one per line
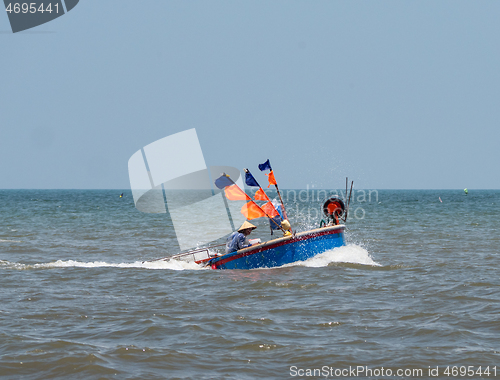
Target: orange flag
260 195
270 209
234 193
271 179
252 211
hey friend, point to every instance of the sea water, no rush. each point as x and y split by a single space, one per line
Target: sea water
416 291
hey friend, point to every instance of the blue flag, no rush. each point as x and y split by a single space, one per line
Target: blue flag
223 181
249 179
265 166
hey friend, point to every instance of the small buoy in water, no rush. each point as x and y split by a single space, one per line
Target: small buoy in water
440 200
466 191
121 195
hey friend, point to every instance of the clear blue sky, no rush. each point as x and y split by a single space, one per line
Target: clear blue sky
394 94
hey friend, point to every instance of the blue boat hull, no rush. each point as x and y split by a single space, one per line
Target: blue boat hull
286 250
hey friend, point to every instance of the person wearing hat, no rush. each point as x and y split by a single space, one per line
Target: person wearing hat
238 239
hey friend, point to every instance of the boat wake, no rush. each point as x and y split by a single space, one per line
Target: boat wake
160 264
351 254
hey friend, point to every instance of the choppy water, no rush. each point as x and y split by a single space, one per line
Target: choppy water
416 286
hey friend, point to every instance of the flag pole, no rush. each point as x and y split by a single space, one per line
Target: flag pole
277 188
260 188
282 205
251 200
345 194
348 203
281 228
281 200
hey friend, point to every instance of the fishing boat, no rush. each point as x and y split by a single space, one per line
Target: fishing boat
239 252
295 247
292 247
285 250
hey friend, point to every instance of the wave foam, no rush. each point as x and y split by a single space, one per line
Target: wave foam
352 254
160 264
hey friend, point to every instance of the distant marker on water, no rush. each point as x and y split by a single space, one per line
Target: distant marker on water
121 195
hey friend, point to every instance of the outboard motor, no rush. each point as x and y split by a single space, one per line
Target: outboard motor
333 208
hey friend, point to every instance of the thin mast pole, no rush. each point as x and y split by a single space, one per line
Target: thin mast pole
251 200
345 194
348 203
281 200
279 193
260 188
